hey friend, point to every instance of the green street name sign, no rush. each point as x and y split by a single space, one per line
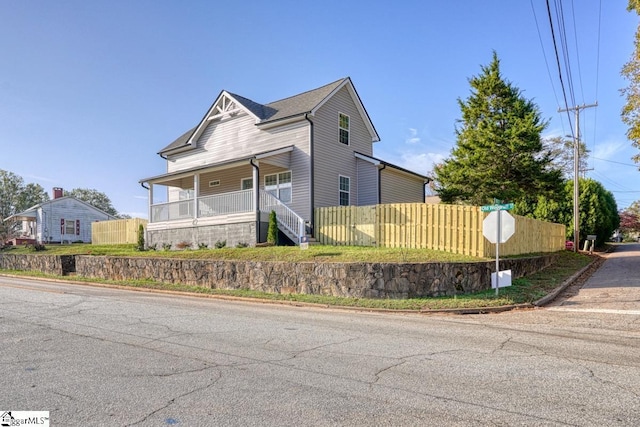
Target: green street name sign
502 207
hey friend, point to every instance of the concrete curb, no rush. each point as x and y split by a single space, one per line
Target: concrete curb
547 299
459 311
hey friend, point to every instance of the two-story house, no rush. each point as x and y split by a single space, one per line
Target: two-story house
245 159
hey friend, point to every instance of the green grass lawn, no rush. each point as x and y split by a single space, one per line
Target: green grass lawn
524 290
270 253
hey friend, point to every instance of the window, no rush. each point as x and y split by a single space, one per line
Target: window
344 128
214 183
246 184
279 184
69 226
344 189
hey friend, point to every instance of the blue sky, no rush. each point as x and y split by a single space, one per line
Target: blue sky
91 90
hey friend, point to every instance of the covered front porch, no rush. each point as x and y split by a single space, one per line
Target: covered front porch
229 202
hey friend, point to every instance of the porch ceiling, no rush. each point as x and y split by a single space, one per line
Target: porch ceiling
174 179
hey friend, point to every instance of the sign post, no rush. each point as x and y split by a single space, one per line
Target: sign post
498 227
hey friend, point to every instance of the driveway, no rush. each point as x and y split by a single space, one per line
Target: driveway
614 287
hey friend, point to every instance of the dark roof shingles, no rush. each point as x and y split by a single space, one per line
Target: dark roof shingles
287 107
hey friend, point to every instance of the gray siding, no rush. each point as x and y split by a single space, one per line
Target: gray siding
333 158
240 137
398 187
237 138
367 183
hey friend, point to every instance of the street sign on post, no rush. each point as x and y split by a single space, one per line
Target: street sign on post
497 207
490 226
498 227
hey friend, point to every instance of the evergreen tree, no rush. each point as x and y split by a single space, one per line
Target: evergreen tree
140 245
597 207
272 231
498 153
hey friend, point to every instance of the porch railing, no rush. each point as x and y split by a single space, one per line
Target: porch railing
227 203
172 211
287 218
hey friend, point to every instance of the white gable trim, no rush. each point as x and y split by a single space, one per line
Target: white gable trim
220 109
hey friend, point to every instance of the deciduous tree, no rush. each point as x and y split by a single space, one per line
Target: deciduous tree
95 198
631 71
16 197
561 152
630 218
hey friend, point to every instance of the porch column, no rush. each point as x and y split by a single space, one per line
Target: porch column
256 195
150 201
196 191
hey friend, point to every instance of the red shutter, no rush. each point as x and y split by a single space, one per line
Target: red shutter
77 227
61 226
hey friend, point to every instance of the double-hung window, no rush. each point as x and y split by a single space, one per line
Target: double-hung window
344 190
69 226
279 184
343 125
246 183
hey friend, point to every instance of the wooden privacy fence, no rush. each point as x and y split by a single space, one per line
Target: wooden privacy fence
450 228
117 231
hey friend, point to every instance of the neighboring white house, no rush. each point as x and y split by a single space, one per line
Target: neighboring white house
62 219
244 159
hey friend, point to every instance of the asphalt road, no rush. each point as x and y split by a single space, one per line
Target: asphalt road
97 357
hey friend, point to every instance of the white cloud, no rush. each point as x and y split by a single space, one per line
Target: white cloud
142 215
421 163
413 137
609 149
39 178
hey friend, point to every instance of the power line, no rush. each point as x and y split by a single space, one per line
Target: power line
555 48
595 116
575 38
612 161
544 55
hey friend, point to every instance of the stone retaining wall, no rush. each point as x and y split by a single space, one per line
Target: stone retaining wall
361 280
50 264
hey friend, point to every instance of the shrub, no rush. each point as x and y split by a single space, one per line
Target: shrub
37 247
166 246
152 247
140 245
221 244
242 245
202 246
272 232
183 245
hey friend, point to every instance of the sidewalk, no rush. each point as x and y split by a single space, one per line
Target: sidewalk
614 288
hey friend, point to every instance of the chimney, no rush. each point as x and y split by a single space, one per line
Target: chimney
57 192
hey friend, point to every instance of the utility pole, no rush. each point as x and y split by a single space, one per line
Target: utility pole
576 166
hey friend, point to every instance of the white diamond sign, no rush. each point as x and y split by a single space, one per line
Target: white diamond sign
490 226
